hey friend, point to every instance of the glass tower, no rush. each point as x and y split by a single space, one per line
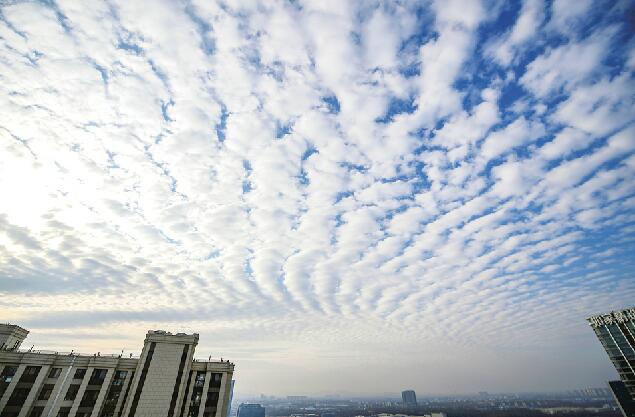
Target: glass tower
616 331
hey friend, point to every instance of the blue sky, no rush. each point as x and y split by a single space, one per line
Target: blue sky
329 192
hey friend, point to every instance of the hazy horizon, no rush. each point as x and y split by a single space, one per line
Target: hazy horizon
354 196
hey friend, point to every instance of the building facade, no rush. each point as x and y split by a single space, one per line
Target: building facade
409 398
616 332
164 381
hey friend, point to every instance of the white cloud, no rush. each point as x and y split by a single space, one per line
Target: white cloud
565 142
565 66
465 129
516 178
529 21
520 132
599 108
317 177
567 15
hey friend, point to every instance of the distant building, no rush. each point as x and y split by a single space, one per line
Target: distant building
297 397
165 381
596 393
616 332
251 410
409 398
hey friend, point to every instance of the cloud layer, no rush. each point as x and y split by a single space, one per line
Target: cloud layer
442 188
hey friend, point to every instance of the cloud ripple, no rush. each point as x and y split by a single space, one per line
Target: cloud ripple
341 175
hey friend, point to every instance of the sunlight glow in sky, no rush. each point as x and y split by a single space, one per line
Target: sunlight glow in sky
337 195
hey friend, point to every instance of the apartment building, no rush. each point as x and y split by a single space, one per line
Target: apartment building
164 381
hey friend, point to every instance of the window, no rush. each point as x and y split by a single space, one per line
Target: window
97 377
72 392
216 379
55 372
45 392
212 399
119 377
64 412
30 373
32 370
110 402
6 377
18 396
89 399
8 373
79 373
113 395
36 412
200 379
121 374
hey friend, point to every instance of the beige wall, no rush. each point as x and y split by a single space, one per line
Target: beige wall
159 384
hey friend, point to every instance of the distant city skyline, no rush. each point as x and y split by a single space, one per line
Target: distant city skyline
331 193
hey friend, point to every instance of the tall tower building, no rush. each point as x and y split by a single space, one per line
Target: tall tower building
165 381
409 398
616 331
159 382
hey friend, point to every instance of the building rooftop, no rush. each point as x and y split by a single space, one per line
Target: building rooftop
4 327
617 316
162 335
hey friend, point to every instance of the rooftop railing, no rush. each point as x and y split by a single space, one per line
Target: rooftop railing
73 353
105 355
215 360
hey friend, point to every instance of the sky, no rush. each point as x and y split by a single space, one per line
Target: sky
338 196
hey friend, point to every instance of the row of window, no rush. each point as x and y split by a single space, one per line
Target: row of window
114 392
63 412
197 393
31 372
214 381
20 393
